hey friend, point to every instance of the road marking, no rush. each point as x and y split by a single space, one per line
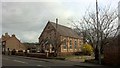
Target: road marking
39 65
5 59
19 61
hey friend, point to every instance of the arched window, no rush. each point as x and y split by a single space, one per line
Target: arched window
75 44
70 44
65 44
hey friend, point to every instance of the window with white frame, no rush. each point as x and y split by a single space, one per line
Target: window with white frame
75 44
65 44
70 44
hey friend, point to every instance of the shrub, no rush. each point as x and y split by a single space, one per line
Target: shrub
20 50
13 52
87 49
20 54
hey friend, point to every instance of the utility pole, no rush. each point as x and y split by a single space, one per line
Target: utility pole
98 34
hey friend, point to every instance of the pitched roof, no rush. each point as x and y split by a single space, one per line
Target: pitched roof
8 37
65 31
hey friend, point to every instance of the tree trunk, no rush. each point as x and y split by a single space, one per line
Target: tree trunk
55 53
96 54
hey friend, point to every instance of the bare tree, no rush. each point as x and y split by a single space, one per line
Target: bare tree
107 27
56 44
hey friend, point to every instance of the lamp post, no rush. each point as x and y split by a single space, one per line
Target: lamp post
98 34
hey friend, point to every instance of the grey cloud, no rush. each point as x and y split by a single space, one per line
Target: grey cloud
27 19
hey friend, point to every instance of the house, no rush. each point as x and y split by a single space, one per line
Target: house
11 43
70 41
32 47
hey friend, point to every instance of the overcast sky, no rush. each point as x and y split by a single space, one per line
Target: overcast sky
27 19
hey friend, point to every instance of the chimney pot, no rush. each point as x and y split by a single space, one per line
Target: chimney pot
56 23
13 35
48 21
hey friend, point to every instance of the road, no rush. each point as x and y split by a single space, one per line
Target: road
23 62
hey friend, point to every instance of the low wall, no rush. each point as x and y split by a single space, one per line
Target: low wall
37 55
112 53
66 53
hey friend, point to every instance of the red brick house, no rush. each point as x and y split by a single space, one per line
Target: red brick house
11 42
71 41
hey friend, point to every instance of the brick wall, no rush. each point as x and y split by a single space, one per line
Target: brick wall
112 53
49 32
73 49
14 43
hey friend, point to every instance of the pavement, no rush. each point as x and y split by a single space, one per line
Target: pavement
80 58
30 62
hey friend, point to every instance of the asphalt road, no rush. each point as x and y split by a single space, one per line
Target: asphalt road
23 62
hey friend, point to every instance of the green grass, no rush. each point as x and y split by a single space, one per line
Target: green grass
73 57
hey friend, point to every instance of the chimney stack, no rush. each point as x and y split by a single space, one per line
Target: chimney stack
6 34
56 23
48 21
